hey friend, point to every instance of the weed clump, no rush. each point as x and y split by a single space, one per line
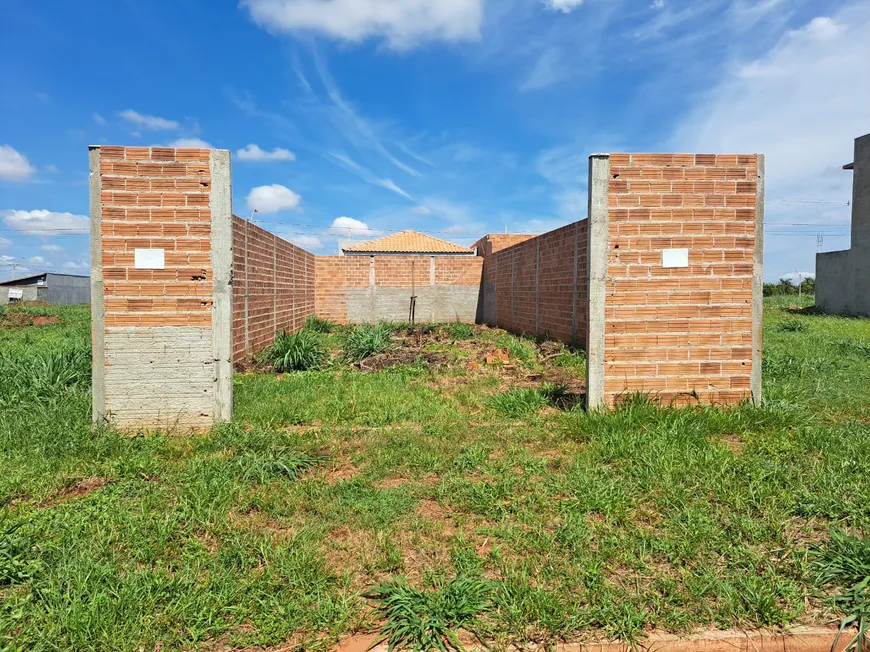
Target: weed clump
264 467
366 340
792 326
318 325
428 620
843 563
45 375
300 351
16 566
460 331
518 402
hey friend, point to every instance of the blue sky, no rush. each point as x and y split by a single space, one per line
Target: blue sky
458 117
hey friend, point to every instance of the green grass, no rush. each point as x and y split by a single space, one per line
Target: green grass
426 503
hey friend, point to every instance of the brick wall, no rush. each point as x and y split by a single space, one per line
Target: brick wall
273 287
540 285
353 289
154 348
682 333
493 242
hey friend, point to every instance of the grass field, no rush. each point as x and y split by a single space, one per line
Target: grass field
427 498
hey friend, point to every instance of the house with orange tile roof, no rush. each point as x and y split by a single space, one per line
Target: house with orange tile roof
407 243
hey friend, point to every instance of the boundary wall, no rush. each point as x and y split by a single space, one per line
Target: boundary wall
355 289
538 286
273 287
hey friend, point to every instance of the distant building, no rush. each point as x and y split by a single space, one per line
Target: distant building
407 243
62 289
843 277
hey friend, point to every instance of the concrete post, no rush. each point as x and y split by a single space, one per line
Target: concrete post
98 297
598 246
220 203
758 287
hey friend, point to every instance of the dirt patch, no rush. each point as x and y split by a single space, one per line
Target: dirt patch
45 321
731 441
78 490
341 473
13 319
401 357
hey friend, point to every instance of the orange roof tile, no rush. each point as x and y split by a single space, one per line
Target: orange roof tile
409 242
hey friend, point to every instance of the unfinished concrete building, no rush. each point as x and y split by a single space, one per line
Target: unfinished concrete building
843 277
661 284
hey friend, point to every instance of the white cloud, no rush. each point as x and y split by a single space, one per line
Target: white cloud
14 166
344 226
38 222
80 265
307 241
152 122
271 199
403 23
39 261
51 168
660 4
422 210
191 142
565 6
254 153
98 119
390 185
5 243
801 105
51 248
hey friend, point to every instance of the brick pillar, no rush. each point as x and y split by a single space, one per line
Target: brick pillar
161 298
675 277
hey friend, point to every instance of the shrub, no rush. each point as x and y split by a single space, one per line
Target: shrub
460 331
518 402
298 352
791 326
366 340
318 325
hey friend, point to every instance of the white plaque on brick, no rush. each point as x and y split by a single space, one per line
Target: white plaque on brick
150 259
675 258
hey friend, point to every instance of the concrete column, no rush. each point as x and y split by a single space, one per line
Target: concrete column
598 246
98 297
221 204
758 287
